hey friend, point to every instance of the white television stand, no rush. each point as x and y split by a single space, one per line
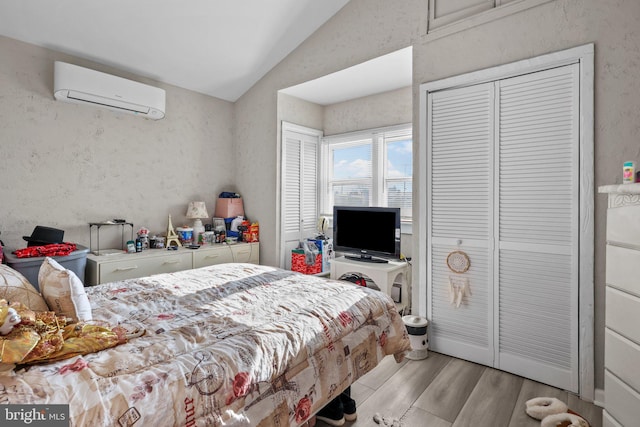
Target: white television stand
384 275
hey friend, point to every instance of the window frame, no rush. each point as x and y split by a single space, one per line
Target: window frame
378 138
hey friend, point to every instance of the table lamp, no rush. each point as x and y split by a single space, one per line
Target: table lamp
196 211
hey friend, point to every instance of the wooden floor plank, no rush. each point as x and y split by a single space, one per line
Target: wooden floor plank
422 393
447 394
492 401
416 417
397 395
589 411
381 373
531 389
360 392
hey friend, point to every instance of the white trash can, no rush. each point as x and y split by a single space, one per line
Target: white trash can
417 330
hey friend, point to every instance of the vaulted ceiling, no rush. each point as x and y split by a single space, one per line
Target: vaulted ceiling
216 47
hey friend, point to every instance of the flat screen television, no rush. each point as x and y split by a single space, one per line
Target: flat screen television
370 234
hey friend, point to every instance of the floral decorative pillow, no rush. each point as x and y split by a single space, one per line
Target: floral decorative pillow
15 287
64 291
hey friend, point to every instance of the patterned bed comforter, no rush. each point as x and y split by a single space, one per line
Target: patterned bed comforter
226 345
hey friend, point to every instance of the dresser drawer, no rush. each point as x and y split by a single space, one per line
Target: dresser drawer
623 225
622 269
129 269
210 256
623 314
111 268
245 253
622 402
621 356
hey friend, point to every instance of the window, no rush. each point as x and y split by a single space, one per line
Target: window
368 168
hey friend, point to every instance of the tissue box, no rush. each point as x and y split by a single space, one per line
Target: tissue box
229 208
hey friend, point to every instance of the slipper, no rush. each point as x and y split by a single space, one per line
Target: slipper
564 420
541 407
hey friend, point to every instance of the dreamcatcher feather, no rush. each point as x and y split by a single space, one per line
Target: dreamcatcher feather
459 263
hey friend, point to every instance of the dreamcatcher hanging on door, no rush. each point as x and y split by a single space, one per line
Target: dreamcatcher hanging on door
458 263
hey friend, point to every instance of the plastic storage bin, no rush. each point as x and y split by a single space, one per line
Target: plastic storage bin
29 267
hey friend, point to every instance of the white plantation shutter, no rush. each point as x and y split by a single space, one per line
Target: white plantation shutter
460 137
299 210
291 186
538 226
503 181
309 187
463 332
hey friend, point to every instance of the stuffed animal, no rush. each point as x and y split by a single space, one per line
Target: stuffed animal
29 336
9 318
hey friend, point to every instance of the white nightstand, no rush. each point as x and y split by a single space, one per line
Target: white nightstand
385 276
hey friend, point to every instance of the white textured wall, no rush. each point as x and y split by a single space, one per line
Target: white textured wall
65 165
300 112
364 29
384 109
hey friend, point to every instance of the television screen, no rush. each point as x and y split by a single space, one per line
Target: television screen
365 231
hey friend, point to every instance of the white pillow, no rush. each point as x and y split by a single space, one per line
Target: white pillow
63 291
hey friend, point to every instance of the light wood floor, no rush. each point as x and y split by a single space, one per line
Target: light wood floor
442 391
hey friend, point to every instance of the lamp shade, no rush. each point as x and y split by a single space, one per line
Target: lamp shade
197 210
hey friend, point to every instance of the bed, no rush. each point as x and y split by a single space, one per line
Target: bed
225 345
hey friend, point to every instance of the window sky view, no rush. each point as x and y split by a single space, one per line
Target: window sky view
355 162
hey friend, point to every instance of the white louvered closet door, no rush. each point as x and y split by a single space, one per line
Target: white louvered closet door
504 188
299 190
537 212
460 216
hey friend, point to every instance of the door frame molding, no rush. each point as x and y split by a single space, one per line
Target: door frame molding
584 56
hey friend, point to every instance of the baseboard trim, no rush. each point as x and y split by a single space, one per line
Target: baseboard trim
599 397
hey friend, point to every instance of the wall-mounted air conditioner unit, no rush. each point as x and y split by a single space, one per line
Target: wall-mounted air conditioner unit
76 84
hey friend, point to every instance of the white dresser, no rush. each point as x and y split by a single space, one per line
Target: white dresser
622 318
110 268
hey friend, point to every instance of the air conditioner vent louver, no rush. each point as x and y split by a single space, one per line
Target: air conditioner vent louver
84 86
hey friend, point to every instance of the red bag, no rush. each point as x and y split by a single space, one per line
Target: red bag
299 264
